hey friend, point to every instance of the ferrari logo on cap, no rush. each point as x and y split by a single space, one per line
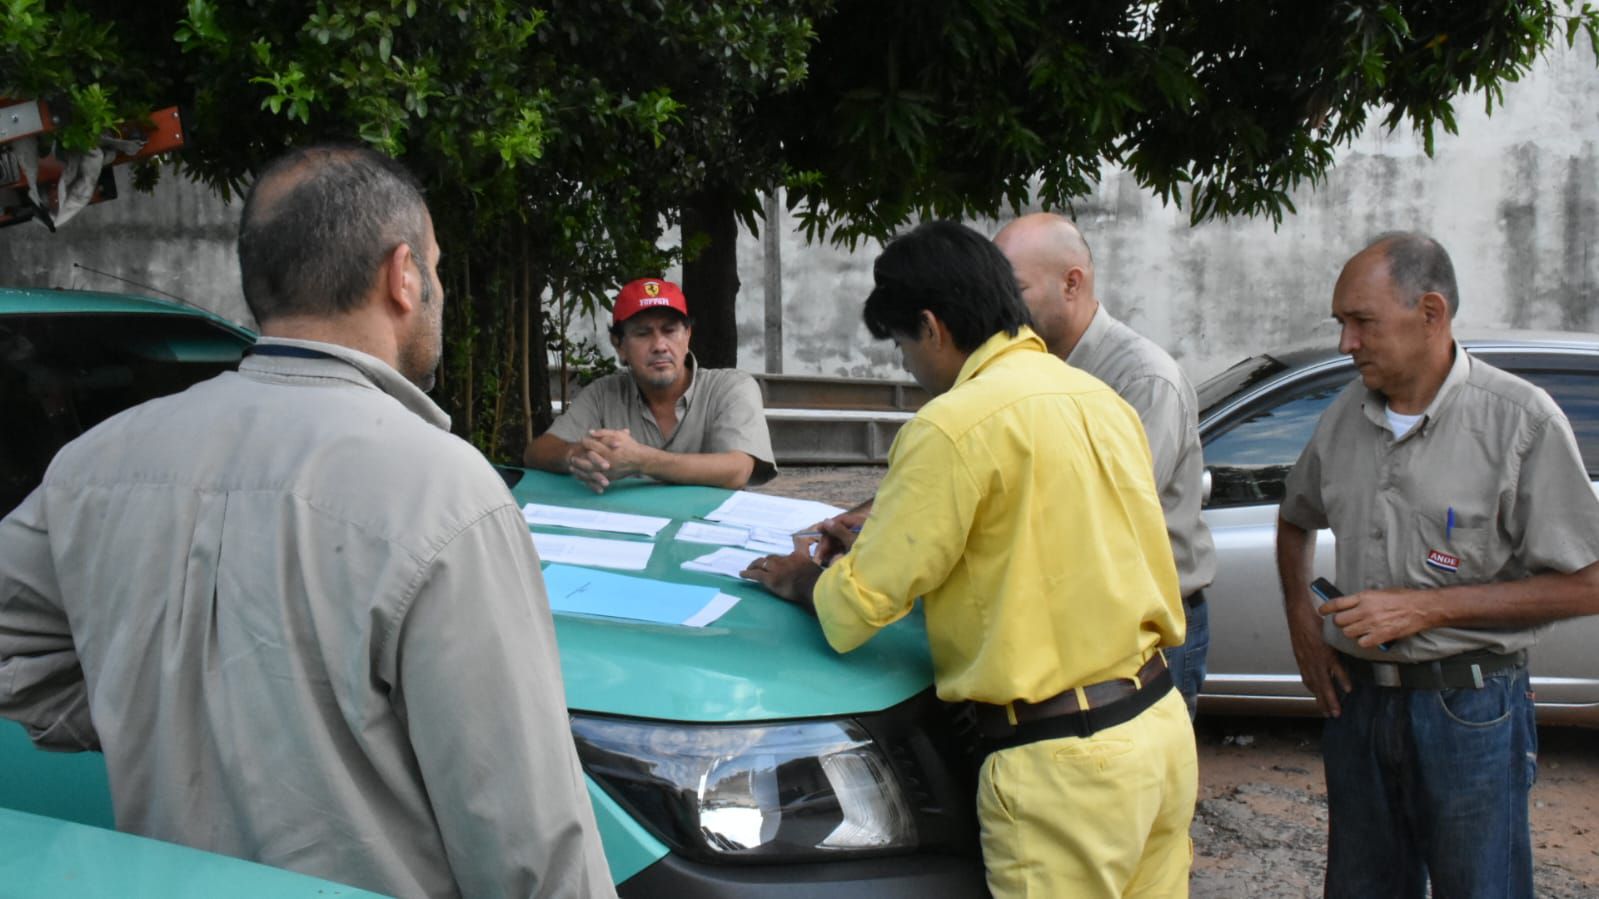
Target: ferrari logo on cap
653 288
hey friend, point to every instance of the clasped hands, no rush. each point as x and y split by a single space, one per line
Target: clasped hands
605 456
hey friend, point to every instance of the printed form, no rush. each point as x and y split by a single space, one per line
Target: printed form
593 520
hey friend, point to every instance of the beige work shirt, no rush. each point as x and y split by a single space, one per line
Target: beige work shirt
721 411
1489 486
1150 381
307 627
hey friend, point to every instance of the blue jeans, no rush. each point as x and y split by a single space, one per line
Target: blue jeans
1187 662
1431 784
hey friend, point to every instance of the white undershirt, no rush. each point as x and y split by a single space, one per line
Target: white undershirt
1400 424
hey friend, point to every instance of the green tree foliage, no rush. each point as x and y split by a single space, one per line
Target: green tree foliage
559 140
956 108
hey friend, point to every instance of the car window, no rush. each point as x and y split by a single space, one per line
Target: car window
1578 394
1249 461
1223 387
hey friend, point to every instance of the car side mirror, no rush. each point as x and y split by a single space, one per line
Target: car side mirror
1204 488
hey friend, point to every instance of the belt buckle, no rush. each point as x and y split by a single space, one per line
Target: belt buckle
1385 674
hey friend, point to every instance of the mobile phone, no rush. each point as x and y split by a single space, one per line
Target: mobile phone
1326 592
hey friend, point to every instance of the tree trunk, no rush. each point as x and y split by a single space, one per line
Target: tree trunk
710 280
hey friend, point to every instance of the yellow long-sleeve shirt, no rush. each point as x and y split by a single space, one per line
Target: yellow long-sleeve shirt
1021 506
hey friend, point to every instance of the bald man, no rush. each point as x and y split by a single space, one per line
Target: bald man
1055 271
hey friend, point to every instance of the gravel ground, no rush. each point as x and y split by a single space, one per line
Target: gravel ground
1260 827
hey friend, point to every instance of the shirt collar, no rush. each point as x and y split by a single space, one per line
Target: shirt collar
1087 344
994 347
1375 405
368 371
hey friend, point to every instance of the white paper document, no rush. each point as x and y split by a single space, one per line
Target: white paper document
771 513
762 540
593 520
595 552
713 610
725 561
715 535
768 541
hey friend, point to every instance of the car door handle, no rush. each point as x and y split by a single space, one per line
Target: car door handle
1204 488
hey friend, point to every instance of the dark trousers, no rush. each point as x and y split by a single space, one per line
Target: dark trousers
1431 785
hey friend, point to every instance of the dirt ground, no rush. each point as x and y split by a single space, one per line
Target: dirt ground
1260 828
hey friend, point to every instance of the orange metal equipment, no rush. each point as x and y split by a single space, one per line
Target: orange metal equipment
160 133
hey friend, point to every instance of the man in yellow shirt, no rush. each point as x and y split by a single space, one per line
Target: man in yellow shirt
1019 504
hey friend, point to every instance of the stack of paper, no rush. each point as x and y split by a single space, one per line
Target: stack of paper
771 513
715 535
632 555
762 540
725 561
593 520
581 591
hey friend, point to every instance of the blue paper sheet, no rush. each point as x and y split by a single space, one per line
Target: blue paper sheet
585 591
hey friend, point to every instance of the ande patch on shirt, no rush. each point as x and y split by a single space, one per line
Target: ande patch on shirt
1443 561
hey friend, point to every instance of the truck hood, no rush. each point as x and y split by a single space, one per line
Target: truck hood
764 660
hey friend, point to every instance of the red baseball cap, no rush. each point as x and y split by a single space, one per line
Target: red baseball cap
647 293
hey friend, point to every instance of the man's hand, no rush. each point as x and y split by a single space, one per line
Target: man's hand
838 535
586 461
1319 666
1374 617
791 577
627 457
606 456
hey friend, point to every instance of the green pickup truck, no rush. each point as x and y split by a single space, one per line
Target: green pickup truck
744 758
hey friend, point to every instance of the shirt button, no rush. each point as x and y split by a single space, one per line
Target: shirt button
1376 533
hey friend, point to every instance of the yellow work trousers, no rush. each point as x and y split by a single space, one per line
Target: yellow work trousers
1099 816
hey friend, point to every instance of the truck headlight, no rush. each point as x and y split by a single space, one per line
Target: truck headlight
782 792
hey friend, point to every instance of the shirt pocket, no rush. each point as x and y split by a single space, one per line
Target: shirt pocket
1440 554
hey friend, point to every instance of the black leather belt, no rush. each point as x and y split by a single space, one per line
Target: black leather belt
1109 703
1461 672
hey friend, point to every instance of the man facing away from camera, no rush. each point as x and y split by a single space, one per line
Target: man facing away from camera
1055 272
304 622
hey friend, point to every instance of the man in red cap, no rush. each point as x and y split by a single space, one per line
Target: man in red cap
663 416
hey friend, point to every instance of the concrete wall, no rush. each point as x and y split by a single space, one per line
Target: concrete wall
1514 198
178 240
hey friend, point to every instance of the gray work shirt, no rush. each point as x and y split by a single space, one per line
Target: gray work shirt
1489 486
1151 382
721 411
312 632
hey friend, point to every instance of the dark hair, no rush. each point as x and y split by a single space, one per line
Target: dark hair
951 271
1417 264
318 223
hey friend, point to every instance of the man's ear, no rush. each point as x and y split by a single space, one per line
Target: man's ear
401 274
927 323
1073 281
1434 308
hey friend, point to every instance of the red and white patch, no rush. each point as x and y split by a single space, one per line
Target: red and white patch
1443 561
